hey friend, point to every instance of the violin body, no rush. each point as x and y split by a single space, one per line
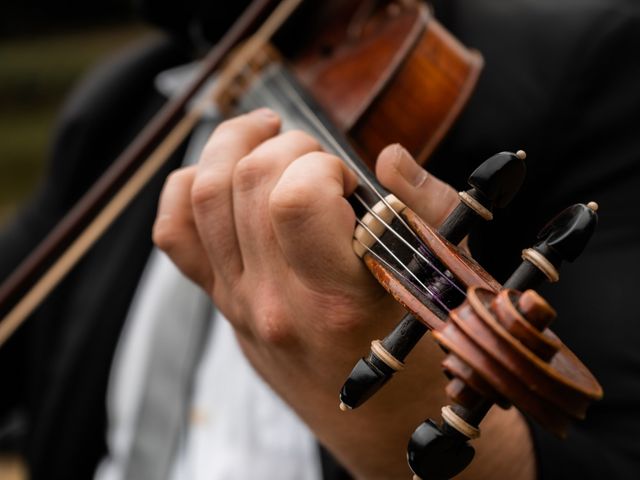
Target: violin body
404 79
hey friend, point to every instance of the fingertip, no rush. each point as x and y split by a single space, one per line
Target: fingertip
388 160
254 127
392 151
427 195
396 161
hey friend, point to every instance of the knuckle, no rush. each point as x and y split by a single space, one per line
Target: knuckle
165 234
231 131
228 127
250 171
179 176
228 132
210 149
271 326
176 183
289 202
334 162
328 161
206 188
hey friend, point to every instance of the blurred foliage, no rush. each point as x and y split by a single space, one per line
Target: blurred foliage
35 74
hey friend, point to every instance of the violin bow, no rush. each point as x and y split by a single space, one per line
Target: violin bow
98 208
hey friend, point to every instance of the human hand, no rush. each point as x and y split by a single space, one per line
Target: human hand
262 224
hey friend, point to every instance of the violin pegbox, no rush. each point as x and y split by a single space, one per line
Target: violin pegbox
494 184
501 351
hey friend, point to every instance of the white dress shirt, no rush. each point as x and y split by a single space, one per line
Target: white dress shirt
239 429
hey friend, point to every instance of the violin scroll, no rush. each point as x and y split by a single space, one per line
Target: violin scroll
500 351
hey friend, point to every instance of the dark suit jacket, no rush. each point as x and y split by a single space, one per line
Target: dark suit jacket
59 361
561 81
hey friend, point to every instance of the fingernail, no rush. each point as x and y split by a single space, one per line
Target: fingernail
407 167
266 113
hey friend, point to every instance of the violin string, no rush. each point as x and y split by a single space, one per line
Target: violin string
411 247
399 274
395 257
380 259
250 102
312 117
322 128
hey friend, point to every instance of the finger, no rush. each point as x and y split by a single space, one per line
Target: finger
211 193
253 179
313 222
431 198
174 230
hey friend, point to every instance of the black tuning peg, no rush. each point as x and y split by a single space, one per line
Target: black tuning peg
385 358
494 184
562 239
438 453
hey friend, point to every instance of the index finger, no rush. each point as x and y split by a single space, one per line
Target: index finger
211 194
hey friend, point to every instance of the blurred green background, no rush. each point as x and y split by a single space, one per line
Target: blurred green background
45 46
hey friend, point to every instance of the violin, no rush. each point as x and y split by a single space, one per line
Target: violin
347 88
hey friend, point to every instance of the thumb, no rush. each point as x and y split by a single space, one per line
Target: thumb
428 196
